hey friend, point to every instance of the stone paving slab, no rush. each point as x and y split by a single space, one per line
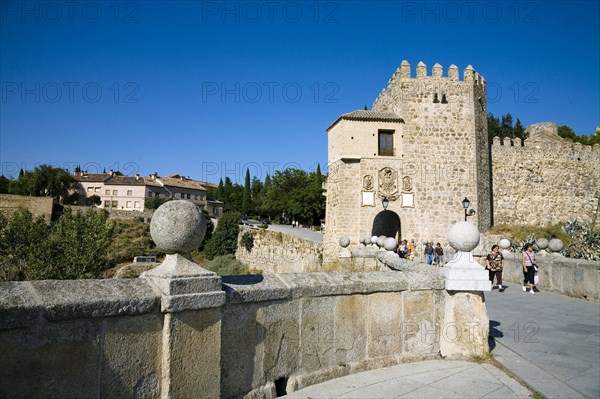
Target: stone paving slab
427 379
551 341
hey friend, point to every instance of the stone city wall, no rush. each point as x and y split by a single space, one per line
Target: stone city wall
276 252
544 182
275 333
574 277
38 206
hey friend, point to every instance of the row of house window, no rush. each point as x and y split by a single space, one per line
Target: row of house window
181 195
128 204
107 192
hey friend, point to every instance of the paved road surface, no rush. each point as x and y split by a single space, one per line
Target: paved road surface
551 341
294 231
427 379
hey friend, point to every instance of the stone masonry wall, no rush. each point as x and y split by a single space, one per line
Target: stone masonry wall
275 252
38 206
308 328
443 140
109 338
79 339
574 277
544 182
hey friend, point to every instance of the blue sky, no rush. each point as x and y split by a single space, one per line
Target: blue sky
209 88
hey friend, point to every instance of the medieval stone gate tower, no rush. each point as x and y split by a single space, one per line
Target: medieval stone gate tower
423 147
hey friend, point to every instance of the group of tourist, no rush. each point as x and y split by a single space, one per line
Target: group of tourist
433 256
494 263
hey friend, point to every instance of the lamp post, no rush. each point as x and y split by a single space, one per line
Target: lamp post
385 202
466 203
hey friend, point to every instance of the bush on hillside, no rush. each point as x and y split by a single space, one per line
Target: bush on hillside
224 239
131 238
227 265
73 247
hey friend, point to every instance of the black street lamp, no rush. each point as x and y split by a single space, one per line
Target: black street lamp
385 202
466 203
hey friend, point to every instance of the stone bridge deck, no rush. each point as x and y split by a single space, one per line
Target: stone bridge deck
550 342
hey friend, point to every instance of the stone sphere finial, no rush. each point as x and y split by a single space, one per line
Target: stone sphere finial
344 242
556 245
504 243
178 226
542 243
390 244
374 239
463 236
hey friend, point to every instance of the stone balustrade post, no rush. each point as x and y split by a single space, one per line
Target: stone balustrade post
191 298
465 322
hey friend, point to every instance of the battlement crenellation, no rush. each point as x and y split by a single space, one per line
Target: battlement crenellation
437 72
560 149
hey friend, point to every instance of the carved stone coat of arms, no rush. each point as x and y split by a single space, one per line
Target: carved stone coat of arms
388 184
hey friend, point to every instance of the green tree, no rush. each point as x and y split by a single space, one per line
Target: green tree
22 185
79 242
256 192
264 208
519 131
506 126
221 190
23 245
4 184
569 134
210 228
493 127
73 198
93 200
566 132
296 193
224 239
246 198
44 180
154 202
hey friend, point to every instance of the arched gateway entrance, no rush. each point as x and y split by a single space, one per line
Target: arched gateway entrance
386 223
